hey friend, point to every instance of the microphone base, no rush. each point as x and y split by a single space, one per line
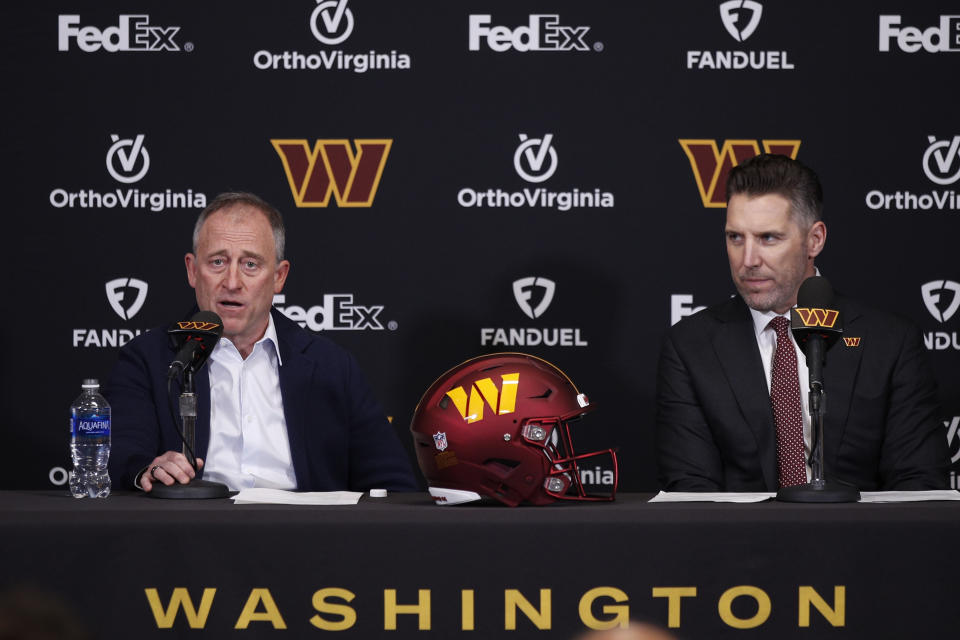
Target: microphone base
194 490
828 492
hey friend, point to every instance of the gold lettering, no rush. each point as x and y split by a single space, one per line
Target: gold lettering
621 613
348 614
731 594
835 615
250 614
180 598
673 595
391 609
466 609
513 600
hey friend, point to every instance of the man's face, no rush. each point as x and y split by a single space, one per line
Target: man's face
770 255
235 272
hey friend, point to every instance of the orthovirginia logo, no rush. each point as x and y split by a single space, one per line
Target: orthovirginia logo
941 165
942 299
126 297
533 295
712 165
740 18
331 23
535 161
127 162
332 167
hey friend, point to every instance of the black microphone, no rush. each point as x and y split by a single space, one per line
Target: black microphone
196 339
816 324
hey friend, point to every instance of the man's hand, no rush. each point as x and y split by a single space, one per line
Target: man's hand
169 468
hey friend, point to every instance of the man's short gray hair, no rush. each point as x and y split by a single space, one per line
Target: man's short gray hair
231 198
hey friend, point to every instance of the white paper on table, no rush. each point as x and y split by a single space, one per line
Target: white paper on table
909 496
697 496
278 496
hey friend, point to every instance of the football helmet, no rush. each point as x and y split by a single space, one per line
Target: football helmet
499 426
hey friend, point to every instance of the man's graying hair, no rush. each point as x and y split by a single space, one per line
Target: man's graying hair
771 173
229 199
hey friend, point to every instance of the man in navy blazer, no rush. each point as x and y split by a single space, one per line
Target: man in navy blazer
715 422
309 406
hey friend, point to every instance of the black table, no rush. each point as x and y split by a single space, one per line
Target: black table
401 567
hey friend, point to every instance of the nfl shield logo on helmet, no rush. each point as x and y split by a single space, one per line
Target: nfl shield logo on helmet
440 440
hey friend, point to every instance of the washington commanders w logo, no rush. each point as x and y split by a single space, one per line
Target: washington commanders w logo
332 167
503 400
711 166
197 326
817 317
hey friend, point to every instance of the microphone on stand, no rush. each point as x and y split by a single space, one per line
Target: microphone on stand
817 324
194 340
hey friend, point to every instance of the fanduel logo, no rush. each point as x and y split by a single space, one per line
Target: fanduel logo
939 39
524 290
127 162
942 299
117 294
125 156
535 160
337 313
681 306
733 13
133 33
712 165
126 297
542 33
331 23
740 18
941 165
332 167
931 293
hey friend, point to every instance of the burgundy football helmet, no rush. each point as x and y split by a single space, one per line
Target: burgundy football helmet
498 426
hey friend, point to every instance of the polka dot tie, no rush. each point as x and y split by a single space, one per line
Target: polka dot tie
787 411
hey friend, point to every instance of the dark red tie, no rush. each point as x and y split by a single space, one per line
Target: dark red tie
787 411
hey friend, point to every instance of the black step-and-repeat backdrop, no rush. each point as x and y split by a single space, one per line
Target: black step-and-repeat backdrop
460 178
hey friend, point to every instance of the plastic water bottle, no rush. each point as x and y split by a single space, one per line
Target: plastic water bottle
90 442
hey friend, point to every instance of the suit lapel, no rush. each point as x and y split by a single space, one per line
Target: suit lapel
840 377
736 346
296 374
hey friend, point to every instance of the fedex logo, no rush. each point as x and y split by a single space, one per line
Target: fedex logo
500 401
543 33
133 33
939 39
817 317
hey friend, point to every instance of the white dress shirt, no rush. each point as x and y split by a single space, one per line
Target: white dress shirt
249 446
767 341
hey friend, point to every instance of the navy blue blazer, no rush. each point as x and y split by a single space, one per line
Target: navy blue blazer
340 438
715 426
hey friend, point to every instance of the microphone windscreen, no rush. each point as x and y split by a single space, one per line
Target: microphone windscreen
209 317
815 293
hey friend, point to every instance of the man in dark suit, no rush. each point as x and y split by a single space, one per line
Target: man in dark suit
731 400
278 407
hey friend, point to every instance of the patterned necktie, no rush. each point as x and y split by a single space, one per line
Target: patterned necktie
787 411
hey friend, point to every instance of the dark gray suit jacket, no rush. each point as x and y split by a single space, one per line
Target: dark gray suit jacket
715 427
